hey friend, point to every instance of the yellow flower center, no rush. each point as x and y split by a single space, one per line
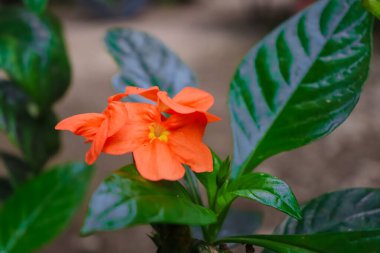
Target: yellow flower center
158 132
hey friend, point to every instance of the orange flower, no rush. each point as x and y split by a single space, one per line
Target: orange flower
161 145
96 127
188 100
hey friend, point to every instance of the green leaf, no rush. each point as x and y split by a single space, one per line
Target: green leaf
341 211
18 171
33 54
33 134
42 208
209 179
300 82
346 210
348 242
126 199
38 6
145 61
265 189
372 6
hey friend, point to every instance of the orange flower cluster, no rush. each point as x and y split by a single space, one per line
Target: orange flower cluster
162 136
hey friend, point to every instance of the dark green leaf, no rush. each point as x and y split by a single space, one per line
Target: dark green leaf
38 6
42 208
301 82
125 199
346 210
17 169
347 242
145 61
265 189
342 211
33 134
33 54
5 189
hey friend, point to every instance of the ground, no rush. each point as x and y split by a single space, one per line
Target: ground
212 38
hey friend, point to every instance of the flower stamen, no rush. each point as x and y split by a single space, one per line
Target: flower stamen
158 132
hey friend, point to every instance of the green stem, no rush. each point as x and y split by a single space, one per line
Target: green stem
177 239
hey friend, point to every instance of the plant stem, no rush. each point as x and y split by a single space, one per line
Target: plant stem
177 239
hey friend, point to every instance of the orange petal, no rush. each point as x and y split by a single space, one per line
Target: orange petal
155 162
117 115
194 98
150 93
85 125
185 140
135 131
98 143
211 117
166 104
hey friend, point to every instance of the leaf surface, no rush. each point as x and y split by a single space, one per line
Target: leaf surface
300 82
33 54
126 199
345 242
145 61
42 208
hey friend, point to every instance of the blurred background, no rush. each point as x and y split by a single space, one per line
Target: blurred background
211 36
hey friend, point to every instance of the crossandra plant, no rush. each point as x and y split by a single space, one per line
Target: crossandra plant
295 86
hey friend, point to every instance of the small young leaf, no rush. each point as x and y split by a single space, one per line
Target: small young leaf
42 208
33 54
265 189
37 6
345 242
301 82
126 199
145 61
212 181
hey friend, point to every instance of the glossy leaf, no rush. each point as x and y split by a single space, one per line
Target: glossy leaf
126 199
36 5
346 210
300 82
18 170
42 208
33 54
145 61
33 134
265 189
346 242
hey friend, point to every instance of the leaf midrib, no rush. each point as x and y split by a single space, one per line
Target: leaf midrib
249 159
19 232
